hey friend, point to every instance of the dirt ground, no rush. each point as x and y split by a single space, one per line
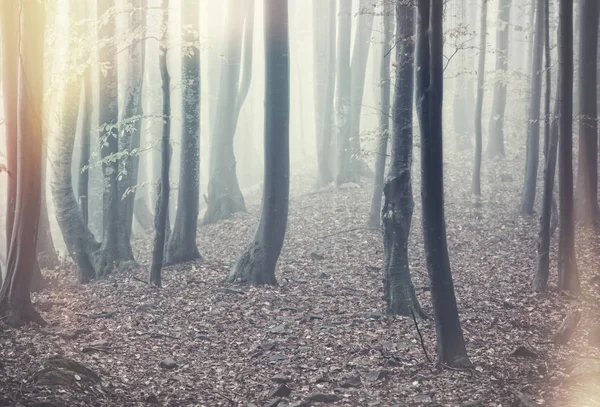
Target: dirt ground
321 334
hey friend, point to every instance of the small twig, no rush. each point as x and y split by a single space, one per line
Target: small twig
140 280
420 336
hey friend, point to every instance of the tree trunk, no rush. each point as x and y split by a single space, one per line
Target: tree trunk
568 276
86 136
540 280
15 300
162 201
495 146
182 243
397 211
384 114
257 264
476 181
587 170
46 253
324 21
450 342
533 125
342 95
224 195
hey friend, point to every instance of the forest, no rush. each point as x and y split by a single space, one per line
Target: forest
293 203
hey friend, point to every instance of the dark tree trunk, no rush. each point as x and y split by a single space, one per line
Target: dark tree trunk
398 205
476 181
324 21
15 300
384 114
342 95
540 280
495 146
162 201
587 170
568 276
257 264
109 139
86 136
533 125
450 342
182 243
224 195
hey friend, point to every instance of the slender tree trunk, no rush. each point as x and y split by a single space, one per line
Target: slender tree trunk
15 300
495 146
384 114
46 253
568 276
257 264
224 195
476 181
540 280
162 201
398 205
587 170
533 125
86 136
324 26
450 341
182 243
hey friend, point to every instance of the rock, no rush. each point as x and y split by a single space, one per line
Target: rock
168 363
100 345
273 402
351 381
69 335
322 276
522 351
317 256
376 375
279 329
373 315
281 391
322 398
280 378
58 370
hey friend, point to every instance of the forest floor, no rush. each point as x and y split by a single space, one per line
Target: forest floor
321 334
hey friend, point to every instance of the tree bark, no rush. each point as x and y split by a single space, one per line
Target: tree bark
533 125
450 342
257 264
15 300
495 146
86 136
476 180
587 170
384 114
568 276
182 243
162 201
224 195
324 26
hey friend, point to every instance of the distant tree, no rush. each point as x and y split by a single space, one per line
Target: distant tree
587 170
495 146
46 253
256 265
540 280
451 348
397 211
384 114
476 181
162 201
85 153
224 195
324 27
28 39
182 243
533 124
568 276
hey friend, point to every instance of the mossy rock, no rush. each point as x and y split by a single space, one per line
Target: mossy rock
60 371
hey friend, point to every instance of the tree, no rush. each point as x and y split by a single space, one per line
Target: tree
568 277
182 243
256 265
533 125
397 211
476 182
495 146
86 136
15 300
324 26
224 195
450 342
162 201
587 170
540 280
384 114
